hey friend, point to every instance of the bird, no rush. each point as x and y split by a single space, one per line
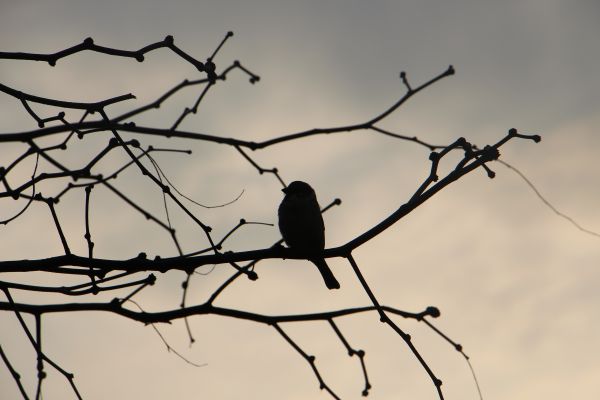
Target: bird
302 228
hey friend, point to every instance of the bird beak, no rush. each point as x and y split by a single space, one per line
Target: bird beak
284 190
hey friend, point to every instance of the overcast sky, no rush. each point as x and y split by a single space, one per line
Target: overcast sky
516 284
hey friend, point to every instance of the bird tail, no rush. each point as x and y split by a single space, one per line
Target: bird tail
326 273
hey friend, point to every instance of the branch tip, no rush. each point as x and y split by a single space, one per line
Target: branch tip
433 312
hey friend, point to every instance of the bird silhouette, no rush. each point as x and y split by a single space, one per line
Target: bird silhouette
302 227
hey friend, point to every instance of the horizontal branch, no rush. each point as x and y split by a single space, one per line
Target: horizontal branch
188 264
91 106
89 45
204 309
52 264
172 133
127 127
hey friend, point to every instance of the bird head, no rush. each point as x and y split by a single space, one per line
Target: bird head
298 188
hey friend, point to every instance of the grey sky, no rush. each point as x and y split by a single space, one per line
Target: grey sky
517 286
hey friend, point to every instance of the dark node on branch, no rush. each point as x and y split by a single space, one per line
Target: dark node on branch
130 123
87 236
433 312
458 347
88 41
135 143
252 275
151 279
512 132
115 303
184 284
162 268
275 171
451 70
166 189
242 221
142 256
434 156
490 153
139 57
229 34
52 62
41 124
63 146
208 228
311 358
337 202
113 142
15 195
209 66
438 382
360 353
41 375
61 115
169 39
536 138
405 81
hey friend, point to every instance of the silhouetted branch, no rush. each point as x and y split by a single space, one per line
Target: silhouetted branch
41 357
16 376
88 44
353 352
104 274
385 319
89 106
170 349
458 348
547 203
309 359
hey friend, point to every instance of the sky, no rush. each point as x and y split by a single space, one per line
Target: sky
516 284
